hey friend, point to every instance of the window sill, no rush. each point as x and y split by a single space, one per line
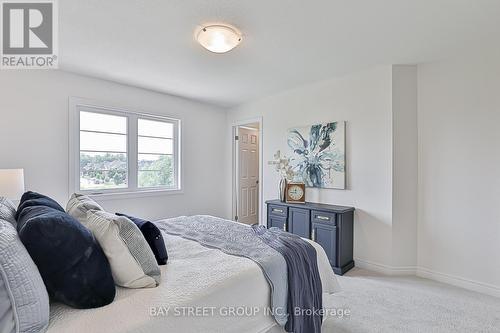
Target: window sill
132 195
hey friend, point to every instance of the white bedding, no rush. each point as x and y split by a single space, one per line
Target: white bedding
196 278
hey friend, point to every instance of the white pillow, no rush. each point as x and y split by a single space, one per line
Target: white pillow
78 206
132 262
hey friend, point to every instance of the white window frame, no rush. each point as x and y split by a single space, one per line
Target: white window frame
75 106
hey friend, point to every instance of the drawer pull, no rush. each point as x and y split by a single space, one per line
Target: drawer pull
324 218
277 210
313 234
284 226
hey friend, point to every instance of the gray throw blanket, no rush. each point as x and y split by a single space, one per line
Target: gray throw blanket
239 240
305 302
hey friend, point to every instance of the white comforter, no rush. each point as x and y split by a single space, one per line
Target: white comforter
199 288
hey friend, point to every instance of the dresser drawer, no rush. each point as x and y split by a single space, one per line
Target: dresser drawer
325 217
277 222
276 210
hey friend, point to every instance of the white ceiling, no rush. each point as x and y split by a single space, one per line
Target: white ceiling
286 43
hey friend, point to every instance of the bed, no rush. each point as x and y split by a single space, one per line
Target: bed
202 290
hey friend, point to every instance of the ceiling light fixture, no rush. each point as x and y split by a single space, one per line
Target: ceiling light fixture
218 38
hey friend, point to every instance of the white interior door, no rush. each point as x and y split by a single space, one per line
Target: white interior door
248 176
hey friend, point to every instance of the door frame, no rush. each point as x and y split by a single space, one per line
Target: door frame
234 190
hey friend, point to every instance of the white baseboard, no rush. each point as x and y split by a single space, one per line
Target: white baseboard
385 269
477 286
423 272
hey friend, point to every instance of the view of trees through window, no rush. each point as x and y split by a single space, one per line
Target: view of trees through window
104 171
101 171
157 172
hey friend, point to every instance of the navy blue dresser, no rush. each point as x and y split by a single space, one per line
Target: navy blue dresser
328 225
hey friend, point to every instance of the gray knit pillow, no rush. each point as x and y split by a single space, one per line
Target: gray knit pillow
24 302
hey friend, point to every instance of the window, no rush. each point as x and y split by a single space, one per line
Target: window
156 150
116 151
103 151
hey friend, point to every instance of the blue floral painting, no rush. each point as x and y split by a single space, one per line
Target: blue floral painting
318 154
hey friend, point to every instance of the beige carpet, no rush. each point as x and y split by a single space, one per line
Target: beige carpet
380 303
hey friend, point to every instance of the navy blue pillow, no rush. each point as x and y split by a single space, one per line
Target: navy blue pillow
72 264
153 238
36 199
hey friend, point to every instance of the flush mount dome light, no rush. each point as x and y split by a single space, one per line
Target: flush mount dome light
218 38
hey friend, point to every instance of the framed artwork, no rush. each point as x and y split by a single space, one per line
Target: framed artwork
318 154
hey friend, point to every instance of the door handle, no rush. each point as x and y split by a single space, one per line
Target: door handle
313 234
284 226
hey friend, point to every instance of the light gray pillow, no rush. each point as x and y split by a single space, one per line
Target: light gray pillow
78 206
24 302
7 211
132 262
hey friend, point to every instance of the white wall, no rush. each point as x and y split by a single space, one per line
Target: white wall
405 169
459 172
34 136
364 101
